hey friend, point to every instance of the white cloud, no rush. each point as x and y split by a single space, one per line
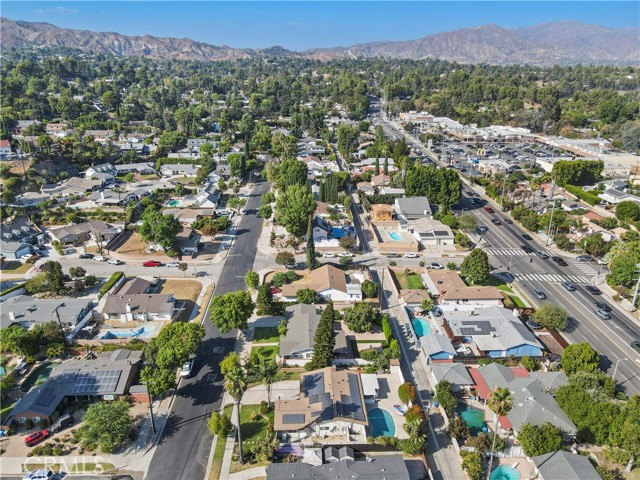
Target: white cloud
57 10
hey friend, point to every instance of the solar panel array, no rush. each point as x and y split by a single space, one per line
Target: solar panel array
476 327
350 406
46 396
292 418
313 385
96 382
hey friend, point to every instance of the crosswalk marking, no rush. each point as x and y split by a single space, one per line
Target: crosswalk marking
584 267
508 252
551 278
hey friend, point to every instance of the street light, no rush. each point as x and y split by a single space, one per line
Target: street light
615 370
64 338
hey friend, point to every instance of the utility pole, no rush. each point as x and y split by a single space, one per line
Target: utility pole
64 338
635 293
504 185
153 422
550 222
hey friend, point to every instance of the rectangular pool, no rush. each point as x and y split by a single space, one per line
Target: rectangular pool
142 332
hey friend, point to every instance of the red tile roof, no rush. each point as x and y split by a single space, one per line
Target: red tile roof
481 386
520 371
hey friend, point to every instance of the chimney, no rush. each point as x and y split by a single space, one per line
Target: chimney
128 307
12 316
102 194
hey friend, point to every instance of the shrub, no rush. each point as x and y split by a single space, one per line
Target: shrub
386 328
346 261
370 354
414 413
407 393
588 197
110 283
308 366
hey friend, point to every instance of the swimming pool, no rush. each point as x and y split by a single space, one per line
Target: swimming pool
474 418
421 326
143 332
173 203
381 423
505 472
395 236
39 375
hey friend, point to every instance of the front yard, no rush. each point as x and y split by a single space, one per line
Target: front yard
265 353
186 290
266 335
253 429
15 266
407 279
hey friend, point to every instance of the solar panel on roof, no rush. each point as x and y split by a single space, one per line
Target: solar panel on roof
313 384
292 418
96 382
46 397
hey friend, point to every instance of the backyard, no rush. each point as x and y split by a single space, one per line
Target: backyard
504 288
408 279
15 266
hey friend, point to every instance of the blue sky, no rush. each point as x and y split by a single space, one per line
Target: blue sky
303 25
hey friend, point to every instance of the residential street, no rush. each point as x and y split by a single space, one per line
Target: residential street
183 451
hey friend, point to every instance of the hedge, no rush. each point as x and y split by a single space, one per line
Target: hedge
110 283
386 328
590 198
11 289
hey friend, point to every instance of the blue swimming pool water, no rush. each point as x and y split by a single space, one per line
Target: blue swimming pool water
505 472
140 332
421 326
337 232
474 418
381 423
395 236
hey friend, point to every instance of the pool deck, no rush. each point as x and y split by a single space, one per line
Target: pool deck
524 468
387 398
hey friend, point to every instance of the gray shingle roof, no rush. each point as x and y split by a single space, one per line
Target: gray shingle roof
566 466
383 467
26 311
437 343
456 373
414 206
303 323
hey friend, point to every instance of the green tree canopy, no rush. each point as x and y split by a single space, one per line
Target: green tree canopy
475 267
577 172
231 310
550 315
294 206
538 440
252 279
324 341
446 397
580 357
306 296
627 211
361 317
106 424
159 229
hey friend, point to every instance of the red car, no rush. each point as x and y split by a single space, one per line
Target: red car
275 289
36 438
152 263
488 209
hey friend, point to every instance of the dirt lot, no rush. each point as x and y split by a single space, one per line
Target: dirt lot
187 290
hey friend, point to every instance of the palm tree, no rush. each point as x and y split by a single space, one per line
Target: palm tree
267 371
500 403
235 383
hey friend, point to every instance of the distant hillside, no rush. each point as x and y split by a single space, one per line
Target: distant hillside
546 44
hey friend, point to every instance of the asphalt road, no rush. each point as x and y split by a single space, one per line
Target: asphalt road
610 337
183 451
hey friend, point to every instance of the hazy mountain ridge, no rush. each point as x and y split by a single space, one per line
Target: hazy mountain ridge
545 44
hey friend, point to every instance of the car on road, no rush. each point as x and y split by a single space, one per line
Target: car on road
36 437
559 261
593 290
42 474
273 289
509 221
526 236
569 286
542 254
100 258
603 315
115 261
410 255
153 263
290 266
601 261
187 368
584 258
482 228
328 255
603 306
171 264
539 293
86 256
526 248
435 266
635 344
393 255
495 221
346 254
488 209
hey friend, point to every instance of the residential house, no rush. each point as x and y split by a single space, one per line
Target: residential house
335 454
374 468
85 231
74 186
57 129
17 236
296 347
321 229
331 403
181 169
207 197
108 377
22 125
455 373
223 170
188 241
184 154
533 400
380 181
614 197
137 148
396 192
431 232
329 282
130 306
437 347
370 387
27 311
412 208
31 198
496 332
197 143
5 149
365 188
112 198
143 168
449 289
99 135
381 212
324 210
564 465
101 168
188 216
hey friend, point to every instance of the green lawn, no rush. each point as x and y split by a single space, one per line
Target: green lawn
266 353
15 266
266 335
254 429
218 452
518 302
410 282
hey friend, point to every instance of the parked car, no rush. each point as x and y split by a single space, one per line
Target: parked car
274 289
393 255
187 368
635 344
346 254
539 293
436 266
584 258
601 261
488 209
100 258
603 306
153 263
63 422
542 254
86 256
569 286
36 437
526 236
603 315
42 474
410 255
172 264
593 290
115 261
328 255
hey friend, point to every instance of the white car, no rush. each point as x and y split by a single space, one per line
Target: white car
38 475
328 255
410 255
187 368
114 261
100 258
436 266
172 264
346 254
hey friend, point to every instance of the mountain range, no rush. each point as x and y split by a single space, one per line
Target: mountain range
561 43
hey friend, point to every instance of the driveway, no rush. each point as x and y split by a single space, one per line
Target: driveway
285 390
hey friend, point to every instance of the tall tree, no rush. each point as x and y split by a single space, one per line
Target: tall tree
294 206
312 262
235 383
500 403
232 310
324 340
475 268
